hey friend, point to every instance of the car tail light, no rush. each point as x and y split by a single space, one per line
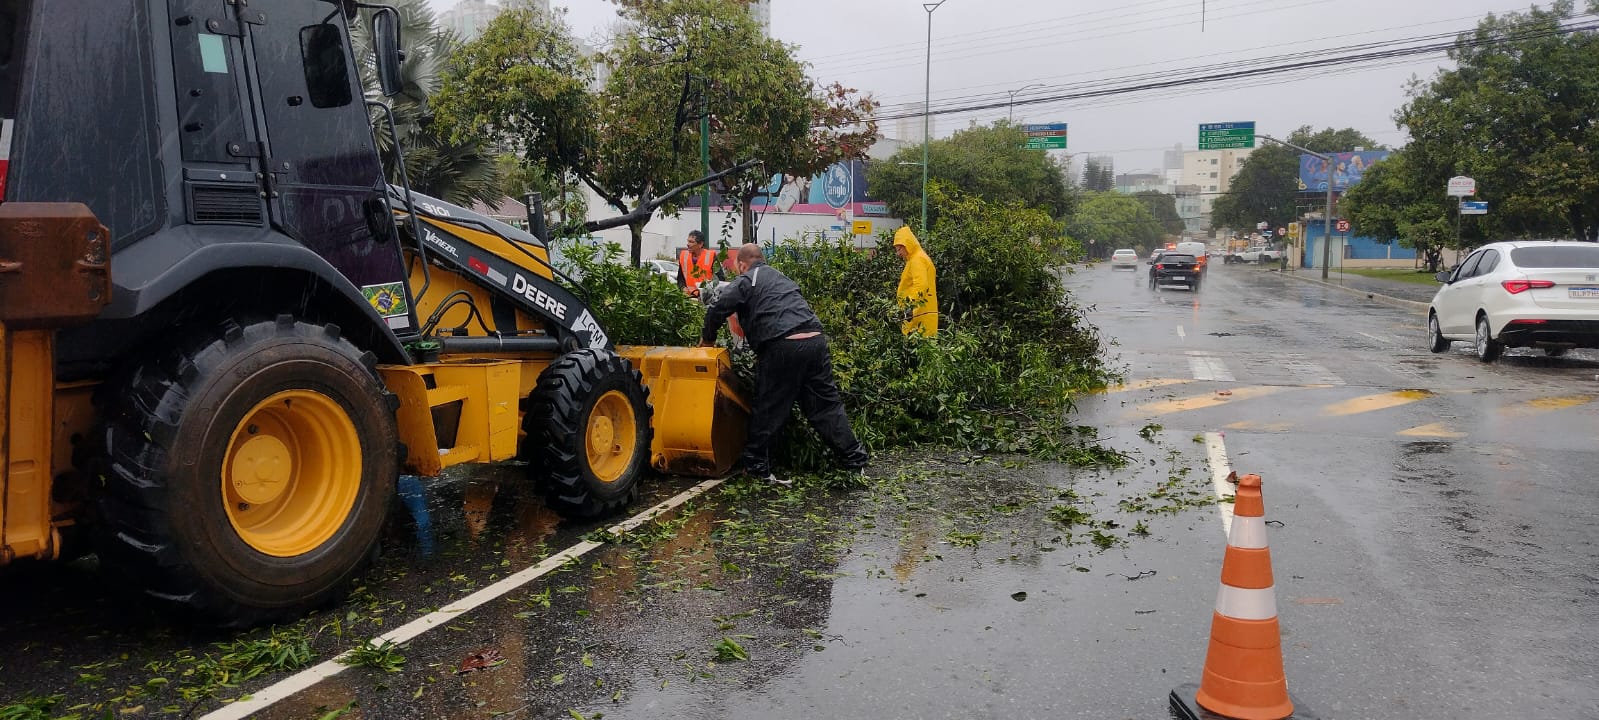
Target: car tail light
1526 322
1516 287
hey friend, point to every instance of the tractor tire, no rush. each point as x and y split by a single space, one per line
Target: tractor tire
247 471
588 433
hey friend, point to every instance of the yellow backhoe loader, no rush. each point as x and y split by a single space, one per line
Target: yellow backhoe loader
225 334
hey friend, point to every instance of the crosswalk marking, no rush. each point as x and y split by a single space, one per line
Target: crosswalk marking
1208 367
1432 430
1370 403
1311 373
1208 400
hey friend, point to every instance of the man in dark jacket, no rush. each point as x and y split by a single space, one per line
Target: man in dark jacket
792 362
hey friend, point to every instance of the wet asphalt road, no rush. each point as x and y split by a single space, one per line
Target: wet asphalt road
1431 542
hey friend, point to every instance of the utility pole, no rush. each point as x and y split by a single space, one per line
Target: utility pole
927 105
705 161
1326 231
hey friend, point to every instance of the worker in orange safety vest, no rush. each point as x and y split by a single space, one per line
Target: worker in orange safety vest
695 265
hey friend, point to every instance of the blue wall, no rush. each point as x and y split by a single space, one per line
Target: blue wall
1351 247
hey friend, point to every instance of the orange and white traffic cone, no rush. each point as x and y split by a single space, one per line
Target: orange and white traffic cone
1243 677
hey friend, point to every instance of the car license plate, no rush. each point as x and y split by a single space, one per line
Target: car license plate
1583 292
1178 277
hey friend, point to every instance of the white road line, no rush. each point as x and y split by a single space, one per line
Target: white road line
1180 332
1208 367
304 679
1220 468
1384 341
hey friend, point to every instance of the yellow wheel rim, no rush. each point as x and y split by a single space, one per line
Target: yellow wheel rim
611 436
292 473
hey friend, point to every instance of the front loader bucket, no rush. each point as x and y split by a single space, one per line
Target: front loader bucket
700 415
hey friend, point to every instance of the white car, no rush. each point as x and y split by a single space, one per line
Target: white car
1125 257
1531 293
664 267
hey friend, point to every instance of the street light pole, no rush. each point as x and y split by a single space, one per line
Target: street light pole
1326 231
927 102
1011 105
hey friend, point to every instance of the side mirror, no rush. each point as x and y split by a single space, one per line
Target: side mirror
1443 277
386 46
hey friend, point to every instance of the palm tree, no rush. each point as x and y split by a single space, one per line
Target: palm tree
459 172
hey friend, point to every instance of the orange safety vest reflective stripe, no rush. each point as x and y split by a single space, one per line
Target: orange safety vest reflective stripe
696 270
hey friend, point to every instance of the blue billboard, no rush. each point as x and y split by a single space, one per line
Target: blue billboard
1346 169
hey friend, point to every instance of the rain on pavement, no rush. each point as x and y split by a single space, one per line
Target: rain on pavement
1429 533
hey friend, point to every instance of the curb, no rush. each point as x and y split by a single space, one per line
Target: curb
1375 296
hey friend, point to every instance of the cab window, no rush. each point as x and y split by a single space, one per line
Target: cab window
327 78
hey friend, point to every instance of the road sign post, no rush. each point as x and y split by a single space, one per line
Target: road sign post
1226 136
1462 187
1048 136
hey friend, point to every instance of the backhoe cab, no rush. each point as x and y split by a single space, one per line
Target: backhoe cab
225 333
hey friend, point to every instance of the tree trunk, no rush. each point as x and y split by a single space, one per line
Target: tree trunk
1434 255
1579 229
747 216
637 230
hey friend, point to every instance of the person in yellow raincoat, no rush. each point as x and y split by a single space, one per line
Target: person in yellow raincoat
917 285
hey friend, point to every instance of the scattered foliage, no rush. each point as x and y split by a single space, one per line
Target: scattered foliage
383 656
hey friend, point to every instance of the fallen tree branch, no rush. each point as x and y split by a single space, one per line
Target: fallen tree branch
644 211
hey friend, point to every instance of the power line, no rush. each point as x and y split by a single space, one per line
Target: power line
1095 91
1451 37
1210 56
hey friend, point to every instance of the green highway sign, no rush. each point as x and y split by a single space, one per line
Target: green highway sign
1050 136
1226 136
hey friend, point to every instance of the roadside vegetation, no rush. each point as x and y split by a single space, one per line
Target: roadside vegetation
1418 277
1012 353
1516 114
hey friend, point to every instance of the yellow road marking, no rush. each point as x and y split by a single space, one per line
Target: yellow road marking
1432 430
1369 403
1542 405
1208 400
1144 385
1261 426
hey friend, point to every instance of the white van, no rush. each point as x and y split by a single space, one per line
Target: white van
1195 248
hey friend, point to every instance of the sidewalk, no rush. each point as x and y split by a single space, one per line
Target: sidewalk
1395 292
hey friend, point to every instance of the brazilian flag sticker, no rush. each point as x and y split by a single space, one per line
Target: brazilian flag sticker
388 299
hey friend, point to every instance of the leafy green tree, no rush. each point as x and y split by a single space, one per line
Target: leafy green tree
1517 115
635 142
1106 222
457 170
985 161
1099 174
1266 187
1164 208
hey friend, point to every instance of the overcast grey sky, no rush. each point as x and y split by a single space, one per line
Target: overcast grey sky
989 46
